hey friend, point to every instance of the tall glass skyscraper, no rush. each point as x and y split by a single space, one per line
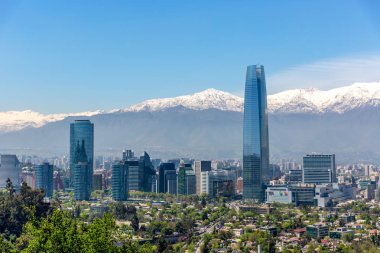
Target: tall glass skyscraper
120 181
82 173
44 178
81 131
255 134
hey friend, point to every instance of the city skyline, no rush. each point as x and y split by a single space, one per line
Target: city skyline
83 47
234 167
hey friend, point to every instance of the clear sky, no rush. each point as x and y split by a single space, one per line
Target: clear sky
71 56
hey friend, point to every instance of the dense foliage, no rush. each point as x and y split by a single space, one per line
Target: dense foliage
17 208
28 224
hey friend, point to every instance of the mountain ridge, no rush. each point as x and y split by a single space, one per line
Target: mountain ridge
307 100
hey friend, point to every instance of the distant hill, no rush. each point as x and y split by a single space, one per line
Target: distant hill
209 125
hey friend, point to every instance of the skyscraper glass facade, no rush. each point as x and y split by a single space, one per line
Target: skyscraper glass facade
182 178
44 178
82 130
255 134
319 169
82 190
134 175
148 173
162 186
120 181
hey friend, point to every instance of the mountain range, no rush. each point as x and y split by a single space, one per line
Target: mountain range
208 125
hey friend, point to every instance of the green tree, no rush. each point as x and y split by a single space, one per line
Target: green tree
135 223
6 246
17 208
9 187
58 233
100 235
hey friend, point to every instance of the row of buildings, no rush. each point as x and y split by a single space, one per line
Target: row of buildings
188 179
314 184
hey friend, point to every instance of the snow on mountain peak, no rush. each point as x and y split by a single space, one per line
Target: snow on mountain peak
17 120
309 100
207 99
337 100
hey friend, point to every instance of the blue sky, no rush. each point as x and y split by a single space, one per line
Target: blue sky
72 56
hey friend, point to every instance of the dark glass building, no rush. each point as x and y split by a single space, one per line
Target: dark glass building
255 134
148 173
182 178
44 178
120 181
82 173
171 181
81 130
162 171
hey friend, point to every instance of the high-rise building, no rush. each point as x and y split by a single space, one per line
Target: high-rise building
120 181
141 173
182 184
255 134
148 173
44 178
81 130
170 181
190 182
199 167
82 189
318 169
135 173
10 168
82 173
162 184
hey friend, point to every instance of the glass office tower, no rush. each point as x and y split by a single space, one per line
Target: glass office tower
255 134
120 181
319 169
82 173
82 130
161 175
44 178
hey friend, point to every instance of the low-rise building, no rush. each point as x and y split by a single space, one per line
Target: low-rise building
340 232
318 230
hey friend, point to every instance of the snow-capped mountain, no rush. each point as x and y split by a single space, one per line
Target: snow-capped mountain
17 120
337 100
207 99
300 121
308 100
